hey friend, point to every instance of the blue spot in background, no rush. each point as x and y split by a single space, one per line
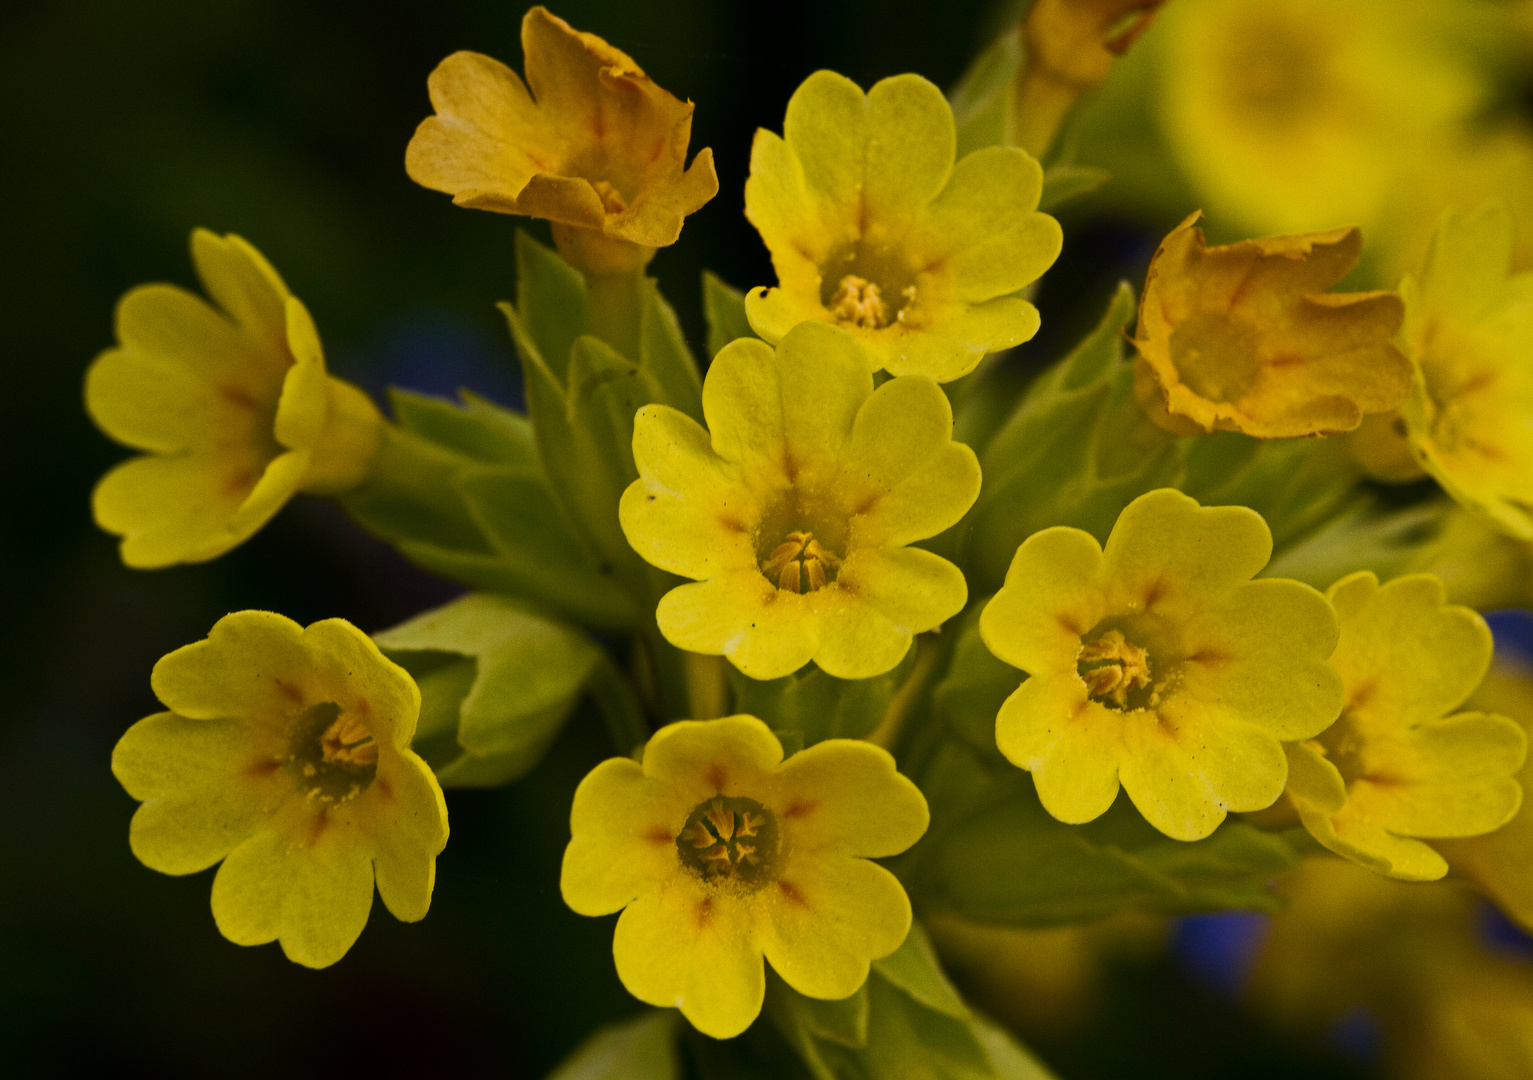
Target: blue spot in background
1500 934
1355 1034
1514 633
1219 950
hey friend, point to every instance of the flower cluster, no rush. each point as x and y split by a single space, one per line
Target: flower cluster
812 511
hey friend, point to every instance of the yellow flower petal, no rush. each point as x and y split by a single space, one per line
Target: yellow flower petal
1245 337
876 812
830 916
623 828
1071 745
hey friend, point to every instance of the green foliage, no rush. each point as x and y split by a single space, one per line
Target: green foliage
724 308
994 855
1061 183
459 490
969 694
582 392
982 100
497 682
906 1021
816 706
643 1048
1075 451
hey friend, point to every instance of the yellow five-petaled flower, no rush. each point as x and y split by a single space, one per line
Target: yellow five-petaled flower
1158 663
793 510
286 755
718 852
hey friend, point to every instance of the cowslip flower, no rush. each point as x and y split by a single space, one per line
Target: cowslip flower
1158 663
1501 862
718 853
872 227
1468 323
588 142
1244 337
285 754
231 402
1395 767
792 512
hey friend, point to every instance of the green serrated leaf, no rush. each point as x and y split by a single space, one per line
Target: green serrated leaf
982 100
976 683
1009 1059
724 308
529 671
665 357
478 429
643 1048
914 968
817 705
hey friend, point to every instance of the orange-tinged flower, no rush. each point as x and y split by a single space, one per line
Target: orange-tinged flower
1245 337
588 142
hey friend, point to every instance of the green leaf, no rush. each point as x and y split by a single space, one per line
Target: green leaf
478 429
665 357
976 683
724 308
907 1021
994 855
818 705
1076 451
982 100
1061 183
551 302
643 1048
528 674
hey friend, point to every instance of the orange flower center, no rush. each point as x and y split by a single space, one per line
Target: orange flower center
801 562
1112 667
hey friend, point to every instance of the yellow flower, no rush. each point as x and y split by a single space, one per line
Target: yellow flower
233 404
793 516
1501 862
1245 337
718 852
286 755
1468 324
872 227
1293 115
1395 766
589 142
1160 664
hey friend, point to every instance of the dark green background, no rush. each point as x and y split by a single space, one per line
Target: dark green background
123 126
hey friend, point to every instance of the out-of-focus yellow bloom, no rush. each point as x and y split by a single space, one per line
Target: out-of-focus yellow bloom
1068 47
793 516
233 404
1468 324
718 852
589 142
286 754
1501 862
872 227
1395 767
1245 337
1297 115
1158 663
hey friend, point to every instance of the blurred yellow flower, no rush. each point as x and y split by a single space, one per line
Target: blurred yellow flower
1290 116
285 754
794 514
1245 337
719 853
233 404
872 227
1468 324
1395 767
1158 663
1501 862
589 142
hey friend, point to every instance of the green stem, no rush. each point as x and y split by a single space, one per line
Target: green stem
669 665
615 310
620 709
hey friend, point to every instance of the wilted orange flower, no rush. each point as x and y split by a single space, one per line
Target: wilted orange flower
1245 337
588 142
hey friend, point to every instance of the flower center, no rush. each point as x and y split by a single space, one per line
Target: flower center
333 753
798 560
1112 667
729 839
859 302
